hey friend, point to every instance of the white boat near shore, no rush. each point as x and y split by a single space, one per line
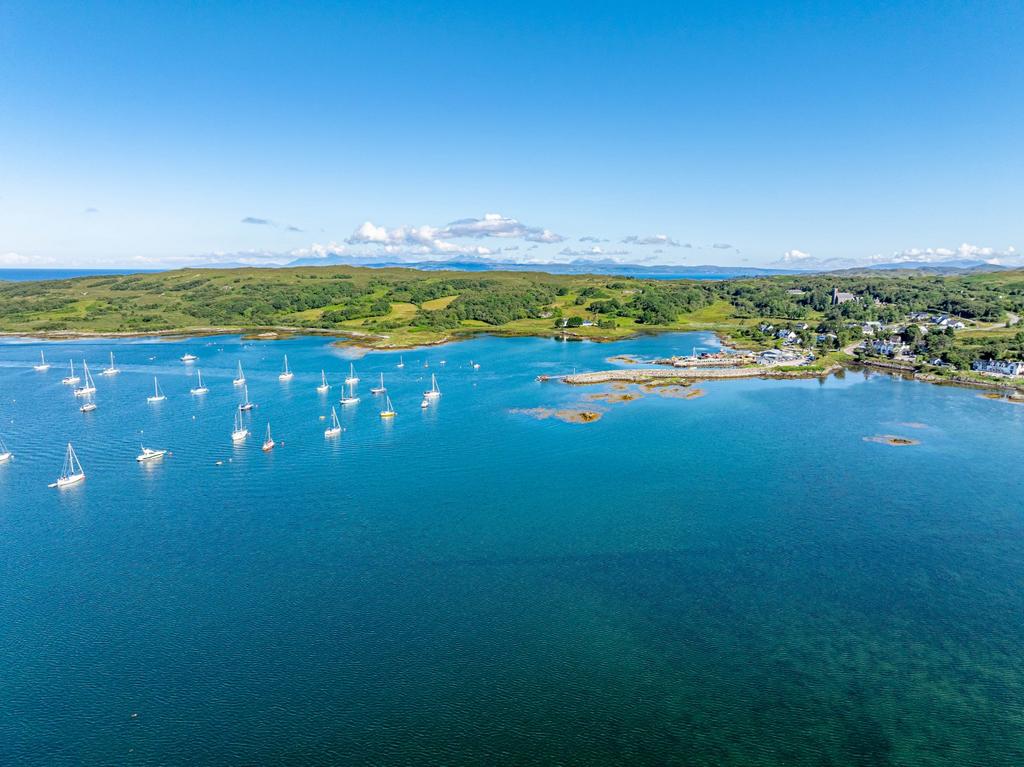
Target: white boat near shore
71 379
43 365
379 389
111 369
433 392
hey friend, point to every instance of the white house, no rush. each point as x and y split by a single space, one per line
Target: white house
1002 367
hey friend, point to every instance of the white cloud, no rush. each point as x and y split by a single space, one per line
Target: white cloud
17 260
794 256
427 239
654 239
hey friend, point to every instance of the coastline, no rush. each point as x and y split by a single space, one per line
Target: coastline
364 341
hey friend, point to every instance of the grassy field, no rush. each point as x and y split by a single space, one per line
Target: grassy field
396 308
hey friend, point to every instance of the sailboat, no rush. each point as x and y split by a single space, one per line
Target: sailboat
246 404
201 389
474 365
89 387
240 378
352 377
379 389
110 370
89 405
148 454
70 379
239 432
401 362
157 396
72 471
351 399
43 365
268 443
335 428
286 375
433 392
324 387
389 409
424 403
5 454
186 358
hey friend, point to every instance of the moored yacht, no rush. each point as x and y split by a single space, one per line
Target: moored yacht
148 454
239 432
89 386
389 409
352 379
324 387
379 389
245 404
5 454
201 389
72 472
286 374
89 405
401 362
335 428
240 378
433 392
268 443
43 365
70 379
111 369
157 395
351 399
188 358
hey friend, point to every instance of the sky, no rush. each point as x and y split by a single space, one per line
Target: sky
800 133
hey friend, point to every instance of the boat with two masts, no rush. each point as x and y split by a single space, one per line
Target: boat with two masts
324 387
239 432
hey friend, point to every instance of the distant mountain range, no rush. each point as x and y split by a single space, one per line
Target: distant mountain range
660 271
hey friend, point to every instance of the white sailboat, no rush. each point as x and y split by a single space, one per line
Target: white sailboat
389 409
5 454
433 392
70 379
148 454
240 378
474 365
286 374
111 369
352 379
43 365
351 399
379 389
401 362
246 404
239 432
201 389
72 471
335 428
186 358
157 395
268 443
89 387
89 405
324 387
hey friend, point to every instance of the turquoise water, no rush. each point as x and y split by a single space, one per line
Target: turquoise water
737 579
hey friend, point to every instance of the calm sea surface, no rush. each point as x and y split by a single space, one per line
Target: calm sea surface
736 579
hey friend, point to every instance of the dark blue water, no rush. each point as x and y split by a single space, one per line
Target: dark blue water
29 275
736 579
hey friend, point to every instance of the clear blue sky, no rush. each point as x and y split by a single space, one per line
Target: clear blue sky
147 132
